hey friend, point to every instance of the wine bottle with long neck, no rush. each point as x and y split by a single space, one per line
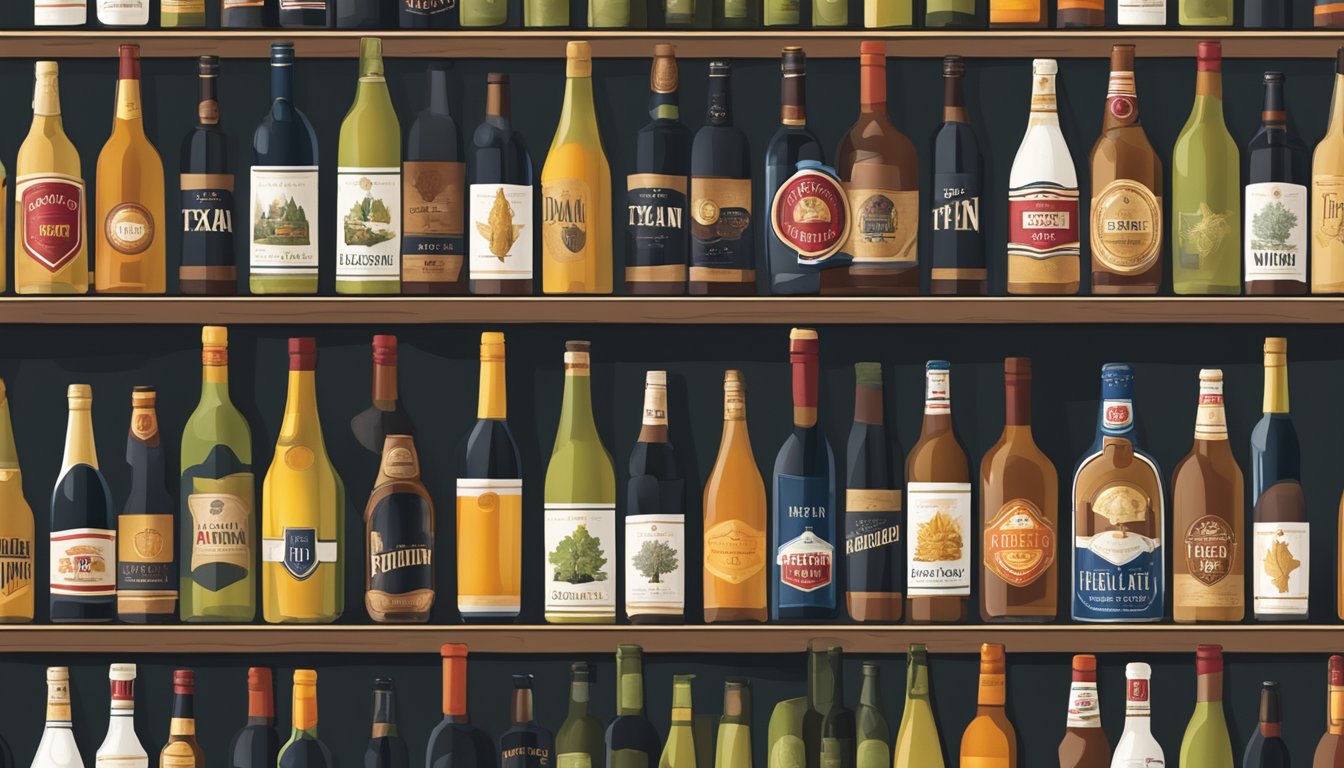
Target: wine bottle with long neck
146 568
83 536
1281 547
990 740
386 415
387 748
734 519
723 256
16 529
732 747
206 179
1205 204
399 531
875 588
1276 201
182 748
679 751
121 747
631 740
655 518
257 744
1206 740
1327 189
958 265
917 743
501 227
525 744
578 743
827 716
655 232
455 742
58 749
304 749
1085 744
793 142
872 734
1266 748
433 192
1330 749
1137 748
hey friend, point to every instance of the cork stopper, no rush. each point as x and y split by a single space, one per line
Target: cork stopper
578 59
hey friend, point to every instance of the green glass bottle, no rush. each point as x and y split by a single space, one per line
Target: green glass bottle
485 13
781 13
368 184
1206 190
871 732
827 716
1204 13
888 14
954 14
733 746
631 739
784 735
578 743
830 13
1207 741
679 751
917 743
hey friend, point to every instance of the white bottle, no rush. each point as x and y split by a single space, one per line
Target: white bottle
121 748
57 748
123 13
60 13
1141 13
1137 748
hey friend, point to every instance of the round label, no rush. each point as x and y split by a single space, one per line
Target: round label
298 458
129 228
1019 543
810 212
1122 107
1210 545
1126 227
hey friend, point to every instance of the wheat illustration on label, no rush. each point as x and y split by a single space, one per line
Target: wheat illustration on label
939 539
498 229
1280 564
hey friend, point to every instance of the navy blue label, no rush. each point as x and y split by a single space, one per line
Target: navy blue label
956 221
1103 590
401 544
207 227
873 561
656 226
803 566
300 552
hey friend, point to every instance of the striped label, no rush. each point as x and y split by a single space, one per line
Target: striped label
83 562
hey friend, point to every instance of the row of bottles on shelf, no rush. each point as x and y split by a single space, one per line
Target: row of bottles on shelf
420 220
897 554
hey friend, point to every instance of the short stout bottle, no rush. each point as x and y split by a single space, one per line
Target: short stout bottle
525 744
182 749
83 536
735 511
875 589
1330 749
958 264
1281 534
1085 744
455 741
1266 748
386 414
500 225
938 520
257 744
990 740
1080 13
248 14
207 196
655 518
1207 502
1126 218
1327 187
1204 13
181 13
146 568
387 748
16 529
1019 514
792 142
917 743
1276 201
1206 740
655 227
579 740
399 535
723 256
1137 748
433 192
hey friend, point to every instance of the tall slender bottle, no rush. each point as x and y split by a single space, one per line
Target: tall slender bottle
679 751
792 143
1137 748
1204 13
257 744
578 743
58 749
631 740
16 529
990 740
958 177
723 248
399 536
302 509
1266 748
580 507
938 497
304 749
130 254
83 536
1327 189
734 519
386 414
875 588
182 749
387 748
433 197
655 518
50 238
826 716
1126 218
455 742
501 226
917 743
525 744
872 735
206 180
576 221
1205 175
121 747
490 502
283 256
1206 740
802 569
656 227
146 567
1330 749
1281 546
732 748
218 547
1043 248
1085 744
1276 201
368 184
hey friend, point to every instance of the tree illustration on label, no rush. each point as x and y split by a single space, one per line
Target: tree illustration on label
282 222
805 563
498 229
938 539
1280 563
655 559
1204 233
1273 225
368 222
578 558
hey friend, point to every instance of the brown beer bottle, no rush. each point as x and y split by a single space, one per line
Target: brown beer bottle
399 533
1085 744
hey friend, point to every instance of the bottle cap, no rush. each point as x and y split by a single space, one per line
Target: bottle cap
792 60
628 651
1209 56
215 336
82 392
492 346
497 78
522 682
370 57
184 681
1017 366
1274 77
208 66
655 379
453 651
51 68
872 53
581 671
1085 662
129 68
719 68
1336 667
382 684
385 350
1209 659
868 373
578 59
1122 57
143 397
1138 670
954 66
305 677
58 674
1339 61
302 353
121 672
991 658
578 346
938 365
1044 67
259 679
282 54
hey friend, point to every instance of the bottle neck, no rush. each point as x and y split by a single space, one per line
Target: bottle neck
735 708
1210 419
873 87
576 411
653 428
520 709
1209 688
577 110
1017 400
1044 106
215 372
870 695
146 468
301 406
260 702
804 389
437 98
1276 388
992 691
578 698
1335 704
46 96
497 104
58 703
937 402
629 686
917 679
1271 721
1209 94
305 709
682 714
824 681
1122 103
79 446
384 713
9 453
282 82
1084 709
1274 116
128 105
718 111
184 717
385 386
123 702
1337 106
1138 710
455 687
207 111
793 99
493 400
663 102
868 404
954 99
1116 416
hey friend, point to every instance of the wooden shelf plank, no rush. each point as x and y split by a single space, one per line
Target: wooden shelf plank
513 44
1129 639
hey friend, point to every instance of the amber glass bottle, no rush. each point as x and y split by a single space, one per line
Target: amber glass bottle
735 519
990 740
1085 744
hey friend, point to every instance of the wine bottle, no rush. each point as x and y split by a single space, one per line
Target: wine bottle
302 509
958 177
387 749
249 14
58 749
490 502
578 743
1207 502
1137 748
218 495
299 14
121 747
1327 190
182 749
1204 13
872 735
631 739
1019 514
655 518
433 179
802 518
146 568
655 233
1281 546
723 259
1085 744
256 744
525 744
16 529
304 749
1126 215
1079 13
1026 13
359 14
938 503
614 14
1276 201
553 14
1043 248
576 190
123 13
580 507
399 528
484 13
734 519
793 142
990 740
784 734
1205 174
129 256
500 233
455 742
732 748
60 13
50 243
1267 14
827 717
888 14
386 415
207 197
368 184
781 13
917 742
679 751
1141 13
1330 749
875 589
181 13
427 14
1266 748
83 539
283 256
951 14
1206 740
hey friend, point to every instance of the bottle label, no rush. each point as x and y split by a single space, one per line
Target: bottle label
655 560
1136 701
489 563
1141 13
1084 709
368 230
432 241
178 754
207 219
1126 225
283 241
656 228
937 391
51 218
872 541
16 571
957 242
1116 416
804 535
501 232
129 228
564 220
721 232
1117 571
580 561
810 214
427 7
1282 566
574 760
734 551
83 562
401 553
145 553
1201 234
1019 543
884 226
1276 232
938 557
1327 233
1043 221
221 544
1210 551
300 552
1211 418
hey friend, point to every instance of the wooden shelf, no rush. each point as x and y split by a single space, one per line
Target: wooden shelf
687 640
550 44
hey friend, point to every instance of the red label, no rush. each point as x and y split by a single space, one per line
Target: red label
1041 224
1138 690
53 221
811 213
1123 107
1117 415
805 570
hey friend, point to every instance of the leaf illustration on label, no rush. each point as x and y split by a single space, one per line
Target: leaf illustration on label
579 558
498 229
939 539
1280 564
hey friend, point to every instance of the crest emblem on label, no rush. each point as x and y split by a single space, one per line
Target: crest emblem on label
810 213
129 227
1019 543
300 558
805 563
1210 545
53 223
